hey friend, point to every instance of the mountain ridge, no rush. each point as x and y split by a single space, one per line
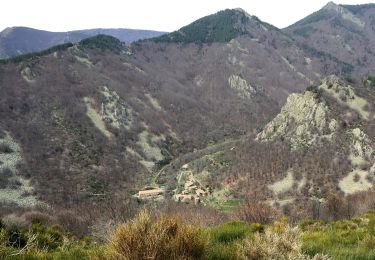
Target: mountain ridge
222 26
101 119
352 27
22 40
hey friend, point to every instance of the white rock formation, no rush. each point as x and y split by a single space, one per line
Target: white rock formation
240 85
301 122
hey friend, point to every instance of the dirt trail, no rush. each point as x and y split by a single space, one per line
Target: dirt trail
171 168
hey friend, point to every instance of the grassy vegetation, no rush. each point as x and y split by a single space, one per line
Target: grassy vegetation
222 200
168 237
230 232
225 205
223 239
164 238
346 239
41 242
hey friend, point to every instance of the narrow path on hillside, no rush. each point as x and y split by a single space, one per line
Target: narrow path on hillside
183 159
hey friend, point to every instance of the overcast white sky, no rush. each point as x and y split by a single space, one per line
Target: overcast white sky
162 15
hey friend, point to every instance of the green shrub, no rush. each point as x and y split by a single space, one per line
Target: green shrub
103 42
47 238
310 224
368 242
76 253
15 237
44 242
224 239
163 162
372 80
371 226
4 148
345 239
229 232
256 227
223 252
316 90
279 241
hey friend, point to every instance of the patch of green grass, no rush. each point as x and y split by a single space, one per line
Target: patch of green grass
75 253
230 232
223 252
346 239
222 201
230 204
224 239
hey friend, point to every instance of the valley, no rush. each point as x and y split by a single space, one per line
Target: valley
228 118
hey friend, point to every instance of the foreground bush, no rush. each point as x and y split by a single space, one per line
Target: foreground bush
279 241
168 237
41 242
165 238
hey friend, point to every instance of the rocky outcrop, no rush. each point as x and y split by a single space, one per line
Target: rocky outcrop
28 75
345 14
360 148
14 189
306 119
240 85
114 110
345 95
303 120
361 153
372 170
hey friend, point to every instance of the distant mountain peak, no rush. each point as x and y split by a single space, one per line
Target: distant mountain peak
6 31
243 11
344 13
22 40
331 6
222 26
332 11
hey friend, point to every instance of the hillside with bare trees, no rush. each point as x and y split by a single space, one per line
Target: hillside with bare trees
228 112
